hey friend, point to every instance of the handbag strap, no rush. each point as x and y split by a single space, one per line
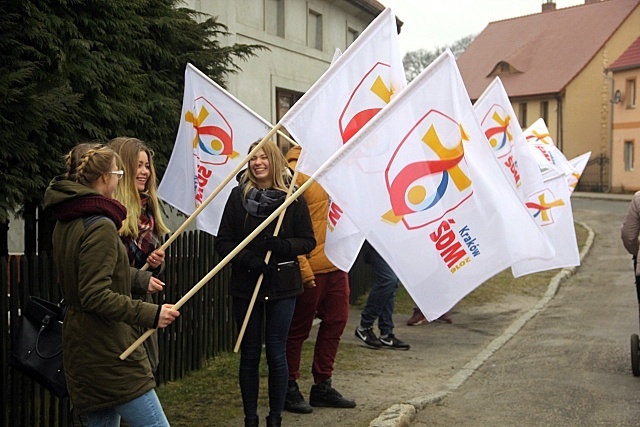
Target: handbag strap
45 322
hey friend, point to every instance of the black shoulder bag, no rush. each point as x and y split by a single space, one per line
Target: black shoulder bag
36 349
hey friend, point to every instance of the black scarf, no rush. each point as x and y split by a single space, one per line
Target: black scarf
262 203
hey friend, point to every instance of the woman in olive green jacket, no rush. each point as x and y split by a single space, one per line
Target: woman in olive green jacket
93 270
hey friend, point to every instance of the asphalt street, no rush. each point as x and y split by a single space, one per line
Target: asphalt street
570 364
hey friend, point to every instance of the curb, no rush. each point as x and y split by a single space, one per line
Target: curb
402 414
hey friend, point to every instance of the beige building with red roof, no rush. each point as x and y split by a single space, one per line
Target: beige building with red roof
552 65
625 168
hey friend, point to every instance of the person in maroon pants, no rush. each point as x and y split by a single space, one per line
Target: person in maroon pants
326 296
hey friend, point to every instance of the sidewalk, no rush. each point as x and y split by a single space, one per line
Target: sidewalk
396 384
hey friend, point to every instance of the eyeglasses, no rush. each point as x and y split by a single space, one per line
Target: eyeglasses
118 173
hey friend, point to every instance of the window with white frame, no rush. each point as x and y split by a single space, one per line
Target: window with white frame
628 155
314 30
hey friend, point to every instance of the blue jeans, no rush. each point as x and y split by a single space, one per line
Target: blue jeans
143 411
274 317
382 296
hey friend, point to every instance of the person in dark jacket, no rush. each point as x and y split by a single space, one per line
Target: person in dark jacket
262 189
93 270
143 227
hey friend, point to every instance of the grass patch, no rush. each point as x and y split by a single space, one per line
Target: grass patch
211 396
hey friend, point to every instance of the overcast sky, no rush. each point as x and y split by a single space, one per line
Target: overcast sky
434 23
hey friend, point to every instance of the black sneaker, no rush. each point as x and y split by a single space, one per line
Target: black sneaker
390 341
368 337
294 402
324 395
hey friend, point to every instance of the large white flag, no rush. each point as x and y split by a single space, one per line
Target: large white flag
549 158
578 163
500 125
215 133
354 89
551 208
422 183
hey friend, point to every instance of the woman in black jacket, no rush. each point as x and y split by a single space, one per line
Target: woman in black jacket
262 189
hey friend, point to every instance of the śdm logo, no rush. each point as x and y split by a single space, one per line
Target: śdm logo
419 175
213 139
539 137
497 131
542 208
496 128
367 99
212 143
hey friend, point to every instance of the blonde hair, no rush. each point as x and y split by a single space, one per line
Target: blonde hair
127 193
88 161
278 169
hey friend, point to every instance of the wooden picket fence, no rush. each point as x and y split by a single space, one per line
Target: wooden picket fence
204 329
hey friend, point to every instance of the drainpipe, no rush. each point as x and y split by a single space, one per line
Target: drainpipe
608 77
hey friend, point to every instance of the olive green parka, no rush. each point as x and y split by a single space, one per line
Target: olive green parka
93 271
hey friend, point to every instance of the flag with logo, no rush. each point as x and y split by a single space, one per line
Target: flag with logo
215 133
422 183
551 208
550 159
500 125
578 163
354 89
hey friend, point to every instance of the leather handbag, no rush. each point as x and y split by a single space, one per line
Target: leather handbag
36 349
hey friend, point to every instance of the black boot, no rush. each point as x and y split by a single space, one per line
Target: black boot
274 421
324 395
251 422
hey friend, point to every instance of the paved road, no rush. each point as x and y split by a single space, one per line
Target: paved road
569 365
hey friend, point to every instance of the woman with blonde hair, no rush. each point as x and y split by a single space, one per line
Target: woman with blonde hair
262 189
93 271
143 226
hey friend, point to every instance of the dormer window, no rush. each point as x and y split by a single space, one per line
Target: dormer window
503 67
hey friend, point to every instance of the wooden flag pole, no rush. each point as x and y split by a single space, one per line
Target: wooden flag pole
223 262
215 192
261 277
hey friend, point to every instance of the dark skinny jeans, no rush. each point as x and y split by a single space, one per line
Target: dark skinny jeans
274 317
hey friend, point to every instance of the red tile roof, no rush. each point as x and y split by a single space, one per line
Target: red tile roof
630 58
547 49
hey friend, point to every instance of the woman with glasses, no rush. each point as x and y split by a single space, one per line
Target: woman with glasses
262 189
143 226
93 271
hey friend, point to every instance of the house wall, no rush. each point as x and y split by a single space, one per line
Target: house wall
289 64
586 125
626 127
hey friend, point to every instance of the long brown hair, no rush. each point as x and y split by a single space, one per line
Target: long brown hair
127 193
278 169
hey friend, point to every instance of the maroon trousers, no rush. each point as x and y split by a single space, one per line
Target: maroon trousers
329 300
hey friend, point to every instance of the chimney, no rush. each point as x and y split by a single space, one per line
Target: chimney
549 5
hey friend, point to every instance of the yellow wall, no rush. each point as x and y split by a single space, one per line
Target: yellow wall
626 127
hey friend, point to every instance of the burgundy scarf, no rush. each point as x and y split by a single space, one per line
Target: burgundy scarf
91 205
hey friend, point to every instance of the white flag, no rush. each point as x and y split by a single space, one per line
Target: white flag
422 183
578 163
355 88
500 125
549 158
215 133
552 209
